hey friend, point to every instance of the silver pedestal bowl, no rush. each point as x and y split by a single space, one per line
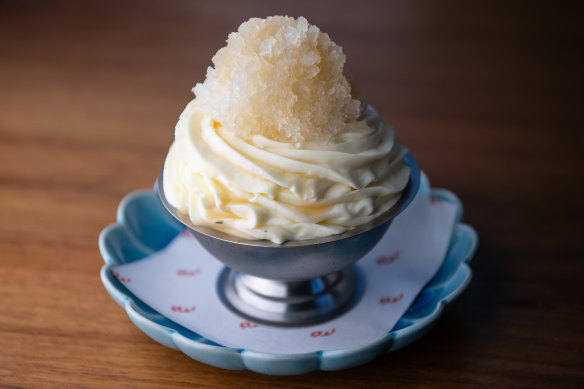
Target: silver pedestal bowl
299 282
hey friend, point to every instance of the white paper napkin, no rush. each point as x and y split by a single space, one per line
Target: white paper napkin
180 283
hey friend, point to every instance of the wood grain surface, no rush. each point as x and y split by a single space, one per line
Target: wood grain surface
488 96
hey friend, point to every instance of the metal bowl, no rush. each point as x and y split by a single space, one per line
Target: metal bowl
298 282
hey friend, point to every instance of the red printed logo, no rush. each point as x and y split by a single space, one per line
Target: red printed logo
188 272
246 324
178 308
387 260
435 200
391 300
122 279
316 334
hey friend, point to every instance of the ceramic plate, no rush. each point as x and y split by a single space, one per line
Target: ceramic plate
143 227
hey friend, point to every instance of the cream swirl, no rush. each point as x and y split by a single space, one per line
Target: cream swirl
265 189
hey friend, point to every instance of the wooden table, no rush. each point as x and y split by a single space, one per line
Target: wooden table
488 96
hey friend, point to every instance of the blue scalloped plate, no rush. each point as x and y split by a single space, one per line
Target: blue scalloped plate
143 227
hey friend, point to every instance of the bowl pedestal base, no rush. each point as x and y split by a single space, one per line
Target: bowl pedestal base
290 303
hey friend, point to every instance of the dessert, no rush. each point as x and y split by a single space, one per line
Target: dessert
275 147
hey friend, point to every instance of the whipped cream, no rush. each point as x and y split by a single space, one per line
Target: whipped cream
259 188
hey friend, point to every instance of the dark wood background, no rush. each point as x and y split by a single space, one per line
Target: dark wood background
489 96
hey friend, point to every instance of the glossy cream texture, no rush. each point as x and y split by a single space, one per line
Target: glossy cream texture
265 189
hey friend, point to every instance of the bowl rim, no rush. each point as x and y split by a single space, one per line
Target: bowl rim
406 197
